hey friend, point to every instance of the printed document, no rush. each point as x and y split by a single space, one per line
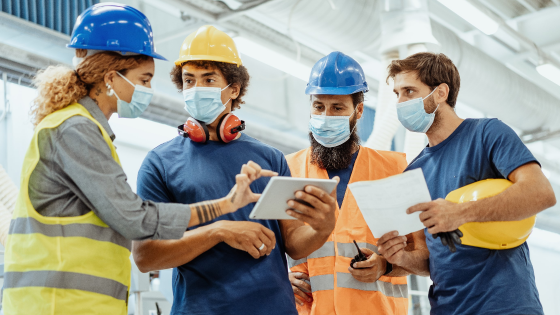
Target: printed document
384 202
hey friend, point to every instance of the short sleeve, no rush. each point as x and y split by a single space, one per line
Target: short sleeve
284 168
504 149
151 183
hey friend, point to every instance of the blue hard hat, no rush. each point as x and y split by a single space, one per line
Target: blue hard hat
114 27
336 74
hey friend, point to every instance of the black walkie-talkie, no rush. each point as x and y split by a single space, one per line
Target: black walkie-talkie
360 257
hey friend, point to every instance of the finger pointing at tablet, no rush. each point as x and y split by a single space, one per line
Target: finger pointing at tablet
315 207
241 194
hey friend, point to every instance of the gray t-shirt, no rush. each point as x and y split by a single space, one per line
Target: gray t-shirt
76 174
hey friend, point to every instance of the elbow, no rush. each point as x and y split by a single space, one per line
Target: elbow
142 264
551 199
142 260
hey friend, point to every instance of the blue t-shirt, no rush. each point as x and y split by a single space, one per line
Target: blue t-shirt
344 179
223 280
476 280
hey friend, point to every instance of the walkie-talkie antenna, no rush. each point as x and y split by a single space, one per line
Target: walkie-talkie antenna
360 254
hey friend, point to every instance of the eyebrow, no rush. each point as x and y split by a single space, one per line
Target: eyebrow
151 75
207 74
406 88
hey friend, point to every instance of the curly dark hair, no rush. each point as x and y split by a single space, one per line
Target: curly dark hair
232 73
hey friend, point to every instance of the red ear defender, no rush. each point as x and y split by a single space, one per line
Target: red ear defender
195 130
228 127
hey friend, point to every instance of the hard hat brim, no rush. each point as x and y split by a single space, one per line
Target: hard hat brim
104 48
347 90
184 59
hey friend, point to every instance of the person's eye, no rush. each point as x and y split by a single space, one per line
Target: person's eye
409 91
146 81
210 80
188 81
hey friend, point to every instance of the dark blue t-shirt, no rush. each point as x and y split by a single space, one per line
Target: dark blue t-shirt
476 280
344 179
223 280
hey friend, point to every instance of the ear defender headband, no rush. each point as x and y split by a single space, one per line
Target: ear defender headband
228 127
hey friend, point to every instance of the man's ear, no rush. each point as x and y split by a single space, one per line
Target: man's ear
235 90
359 110
442 93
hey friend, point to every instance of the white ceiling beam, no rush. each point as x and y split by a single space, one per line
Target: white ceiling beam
527 5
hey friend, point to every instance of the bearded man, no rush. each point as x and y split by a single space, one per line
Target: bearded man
325 282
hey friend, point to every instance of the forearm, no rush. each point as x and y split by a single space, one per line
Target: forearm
398 272
414 262
519 201
205 211
303 240
152 255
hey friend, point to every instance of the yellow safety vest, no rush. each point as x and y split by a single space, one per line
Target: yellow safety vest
334 289
63 265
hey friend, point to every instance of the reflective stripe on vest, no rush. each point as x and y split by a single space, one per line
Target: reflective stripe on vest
345 280
322 282
30 225
349 249
324 251
66 280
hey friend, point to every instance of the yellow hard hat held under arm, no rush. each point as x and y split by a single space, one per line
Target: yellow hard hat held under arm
491 235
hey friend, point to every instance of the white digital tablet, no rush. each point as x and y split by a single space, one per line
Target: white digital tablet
272 205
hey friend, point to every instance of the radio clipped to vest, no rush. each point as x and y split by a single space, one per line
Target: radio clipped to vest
228 127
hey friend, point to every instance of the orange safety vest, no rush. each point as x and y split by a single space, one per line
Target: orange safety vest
334 289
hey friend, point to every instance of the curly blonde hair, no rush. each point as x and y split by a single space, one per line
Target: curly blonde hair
59 86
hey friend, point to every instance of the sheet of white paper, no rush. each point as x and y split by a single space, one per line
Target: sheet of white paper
384 202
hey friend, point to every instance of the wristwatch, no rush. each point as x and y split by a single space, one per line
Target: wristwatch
388 269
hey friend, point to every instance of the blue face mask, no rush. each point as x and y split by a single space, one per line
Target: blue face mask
204 103
330 131
140 100
413 116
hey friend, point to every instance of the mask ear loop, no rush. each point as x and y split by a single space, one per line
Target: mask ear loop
113 91
356 125
222 91
127 80
434 102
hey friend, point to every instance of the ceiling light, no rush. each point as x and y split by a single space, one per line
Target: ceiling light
550 72
473 15
272 58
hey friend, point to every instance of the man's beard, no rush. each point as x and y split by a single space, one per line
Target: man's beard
432 106
336 158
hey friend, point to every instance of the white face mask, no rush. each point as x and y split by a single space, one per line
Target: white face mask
140 100
331 131
204 103
413 116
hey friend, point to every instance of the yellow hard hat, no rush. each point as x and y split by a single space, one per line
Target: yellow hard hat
491 235
209 43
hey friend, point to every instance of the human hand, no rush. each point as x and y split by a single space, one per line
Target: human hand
371 269
320 210
301 287
391 246
439 215
247 236
241 194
